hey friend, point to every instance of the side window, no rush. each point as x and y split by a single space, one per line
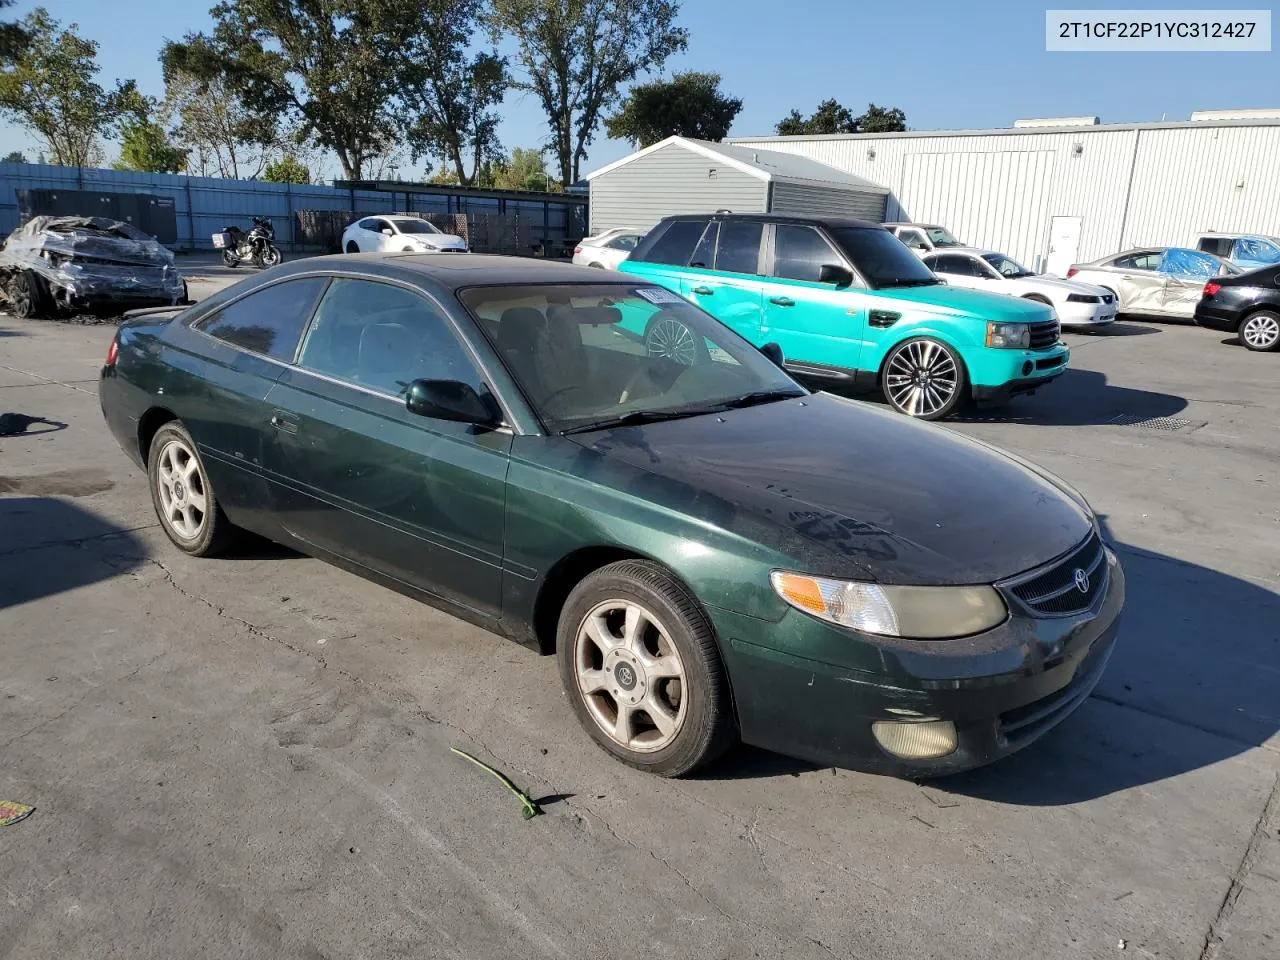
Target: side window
1219 245
705 254
380 225
368 223
269 321
1138 261
944 264
676 244
913 239
627 241
383 337
799 252
739 250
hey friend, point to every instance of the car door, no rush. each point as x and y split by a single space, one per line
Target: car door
230 358
355 473
1186 272
816 324
723 276
1139 284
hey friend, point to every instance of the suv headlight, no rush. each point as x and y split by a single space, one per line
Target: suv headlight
916 613
1013 336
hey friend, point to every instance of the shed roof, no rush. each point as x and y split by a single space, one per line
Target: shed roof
767 165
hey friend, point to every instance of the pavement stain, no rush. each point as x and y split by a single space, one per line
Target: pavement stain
59 483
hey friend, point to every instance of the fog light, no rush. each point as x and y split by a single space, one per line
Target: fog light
1026 368
916 741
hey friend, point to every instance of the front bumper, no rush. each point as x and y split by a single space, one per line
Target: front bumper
1007 391
1086 314
1003 689
1217 318
996 373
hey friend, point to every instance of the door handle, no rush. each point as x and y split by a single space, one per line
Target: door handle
782 301
284 423
702 291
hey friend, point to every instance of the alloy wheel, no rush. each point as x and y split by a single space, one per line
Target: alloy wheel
672 340
1261 331
20 297
184 500
922 378
630 675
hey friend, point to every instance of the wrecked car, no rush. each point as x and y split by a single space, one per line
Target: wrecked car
68 265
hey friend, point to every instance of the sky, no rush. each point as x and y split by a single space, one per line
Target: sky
947 65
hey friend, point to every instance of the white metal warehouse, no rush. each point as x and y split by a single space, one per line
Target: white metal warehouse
1073 185
680 175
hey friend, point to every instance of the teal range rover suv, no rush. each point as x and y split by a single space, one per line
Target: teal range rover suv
850 306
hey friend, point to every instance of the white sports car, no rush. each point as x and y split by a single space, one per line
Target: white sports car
607 249
1076 304
409 234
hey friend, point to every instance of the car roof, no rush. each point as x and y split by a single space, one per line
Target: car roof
782 218
908 223
452 271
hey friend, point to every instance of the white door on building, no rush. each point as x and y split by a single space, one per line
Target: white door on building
1064 244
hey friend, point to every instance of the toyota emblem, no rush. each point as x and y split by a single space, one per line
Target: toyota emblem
1082 580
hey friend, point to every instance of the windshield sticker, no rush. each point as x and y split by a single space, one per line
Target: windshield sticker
658 295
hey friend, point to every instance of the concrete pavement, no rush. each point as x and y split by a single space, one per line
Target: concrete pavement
249 757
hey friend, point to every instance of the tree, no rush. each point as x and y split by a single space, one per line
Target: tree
690 104
576 54
831 117
144 144
225 138
17 156
525 169
288 169
881 120
323 61
13 38
49 88
447 95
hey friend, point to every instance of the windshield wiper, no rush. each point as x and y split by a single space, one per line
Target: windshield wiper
906 282
638 417
759 396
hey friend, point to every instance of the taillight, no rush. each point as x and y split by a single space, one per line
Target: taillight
576 251
1071 272
112 352
1212 287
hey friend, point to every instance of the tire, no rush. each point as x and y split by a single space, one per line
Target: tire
924 378
673 667
352 247
407 250
598 266
29 296
271 256
229 259
173 451
1260 331
667 338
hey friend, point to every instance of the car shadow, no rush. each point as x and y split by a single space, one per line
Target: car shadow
1118 328
1079 398
51 557
1191 683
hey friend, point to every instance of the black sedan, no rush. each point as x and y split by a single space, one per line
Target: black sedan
1247 304
712 551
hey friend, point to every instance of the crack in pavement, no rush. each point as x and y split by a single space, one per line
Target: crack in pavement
1214 936
79 541
1179 721
70 385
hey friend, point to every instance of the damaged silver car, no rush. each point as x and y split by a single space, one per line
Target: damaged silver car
54 266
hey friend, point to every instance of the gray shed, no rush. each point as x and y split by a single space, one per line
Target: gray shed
680 175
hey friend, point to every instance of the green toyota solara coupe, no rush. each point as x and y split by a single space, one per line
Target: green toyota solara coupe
712 551
851 307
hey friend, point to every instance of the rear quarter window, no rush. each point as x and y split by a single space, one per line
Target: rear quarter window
269 321
675 244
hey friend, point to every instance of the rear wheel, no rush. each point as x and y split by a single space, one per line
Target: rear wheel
598 266
352 247
1261 331
229 259
640 665
924 378
182 495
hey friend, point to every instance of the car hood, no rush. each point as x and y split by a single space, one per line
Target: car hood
849 490
1045 282
957 301
440 239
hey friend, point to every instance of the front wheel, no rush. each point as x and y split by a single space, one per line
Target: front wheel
182 495
666 338
640 665
28 295
924 378
271 255
1261 331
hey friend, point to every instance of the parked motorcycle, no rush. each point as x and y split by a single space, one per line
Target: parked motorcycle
257 246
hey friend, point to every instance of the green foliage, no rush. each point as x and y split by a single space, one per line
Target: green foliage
288 169
690 104
447 94
17 156
146 147
13 38
48 87
831 117
525 169
576 54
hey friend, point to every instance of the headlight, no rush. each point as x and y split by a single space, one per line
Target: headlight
1014 336
917 613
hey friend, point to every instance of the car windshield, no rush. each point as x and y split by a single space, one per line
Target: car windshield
941 237
1007 267
414 225
881 258
590 356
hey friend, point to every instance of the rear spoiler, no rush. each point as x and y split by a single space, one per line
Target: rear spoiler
154 311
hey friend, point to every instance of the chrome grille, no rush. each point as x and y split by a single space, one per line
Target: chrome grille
1044 335
1056 592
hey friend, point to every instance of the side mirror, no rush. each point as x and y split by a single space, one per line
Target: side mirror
449 400
387 232
774 352
834 273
